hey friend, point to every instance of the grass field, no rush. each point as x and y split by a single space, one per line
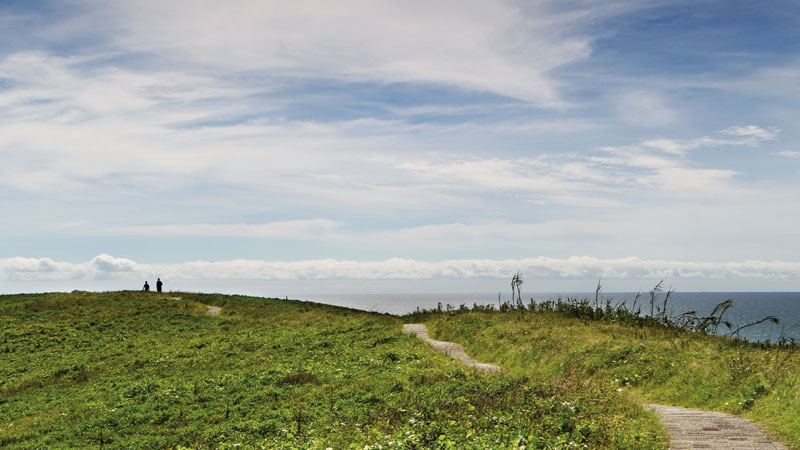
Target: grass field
644 363
144 370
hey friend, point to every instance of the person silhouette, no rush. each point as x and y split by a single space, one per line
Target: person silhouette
146 287
159 284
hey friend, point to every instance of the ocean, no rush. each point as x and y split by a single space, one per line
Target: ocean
748 307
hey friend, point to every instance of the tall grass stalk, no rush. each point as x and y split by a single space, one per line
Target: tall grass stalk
659 316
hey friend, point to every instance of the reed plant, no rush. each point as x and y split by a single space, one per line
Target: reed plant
619 312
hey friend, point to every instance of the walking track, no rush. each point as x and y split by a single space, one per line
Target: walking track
688 428
692 428
451 349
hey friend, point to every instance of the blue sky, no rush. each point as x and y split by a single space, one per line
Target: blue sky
425 144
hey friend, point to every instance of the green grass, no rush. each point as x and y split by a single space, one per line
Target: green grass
644 363
143 370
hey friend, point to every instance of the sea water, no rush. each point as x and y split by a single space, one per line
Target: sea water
748 307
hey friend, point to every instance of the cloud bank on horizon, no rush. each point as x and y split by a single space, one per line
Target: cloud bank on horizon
385 139
104 267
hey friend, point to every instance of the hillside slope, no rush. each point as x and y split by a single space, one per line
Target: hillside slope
649 364
144 370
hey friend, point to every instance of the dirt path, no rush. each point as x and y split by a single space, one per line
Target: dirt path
212 310
688 428
451 349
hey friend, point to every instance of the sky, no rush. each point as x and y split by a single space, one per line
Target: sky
399 146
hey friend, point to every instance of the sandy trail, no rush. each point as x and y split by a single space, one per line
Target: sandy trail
688 428
451 349
212 310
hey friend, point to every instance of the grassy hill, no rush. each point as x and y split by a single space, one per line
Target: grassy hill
645 363
146 370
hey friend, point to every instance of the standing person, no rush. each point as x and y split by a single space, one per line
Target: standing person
159 284
146 287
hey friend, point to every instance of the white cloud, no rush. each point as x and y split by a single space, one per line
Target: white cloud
660 165
108 263
491 46
74 130
752 133
62 140
100 267
208 120
672 146
746 135
667 166
519 174
29 269
62 136
71 144
789 154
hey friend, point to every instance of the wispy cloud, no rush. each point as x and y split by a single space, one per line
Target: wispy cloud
752 134
740 135
385 128
382 41
659 164
60 135
312 229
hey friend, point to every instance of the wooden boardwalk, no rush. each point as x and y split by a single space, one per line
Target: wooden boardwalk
696 429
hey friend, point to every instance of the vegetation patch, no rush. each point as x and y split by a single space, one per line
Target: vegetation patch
643 358
144 370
